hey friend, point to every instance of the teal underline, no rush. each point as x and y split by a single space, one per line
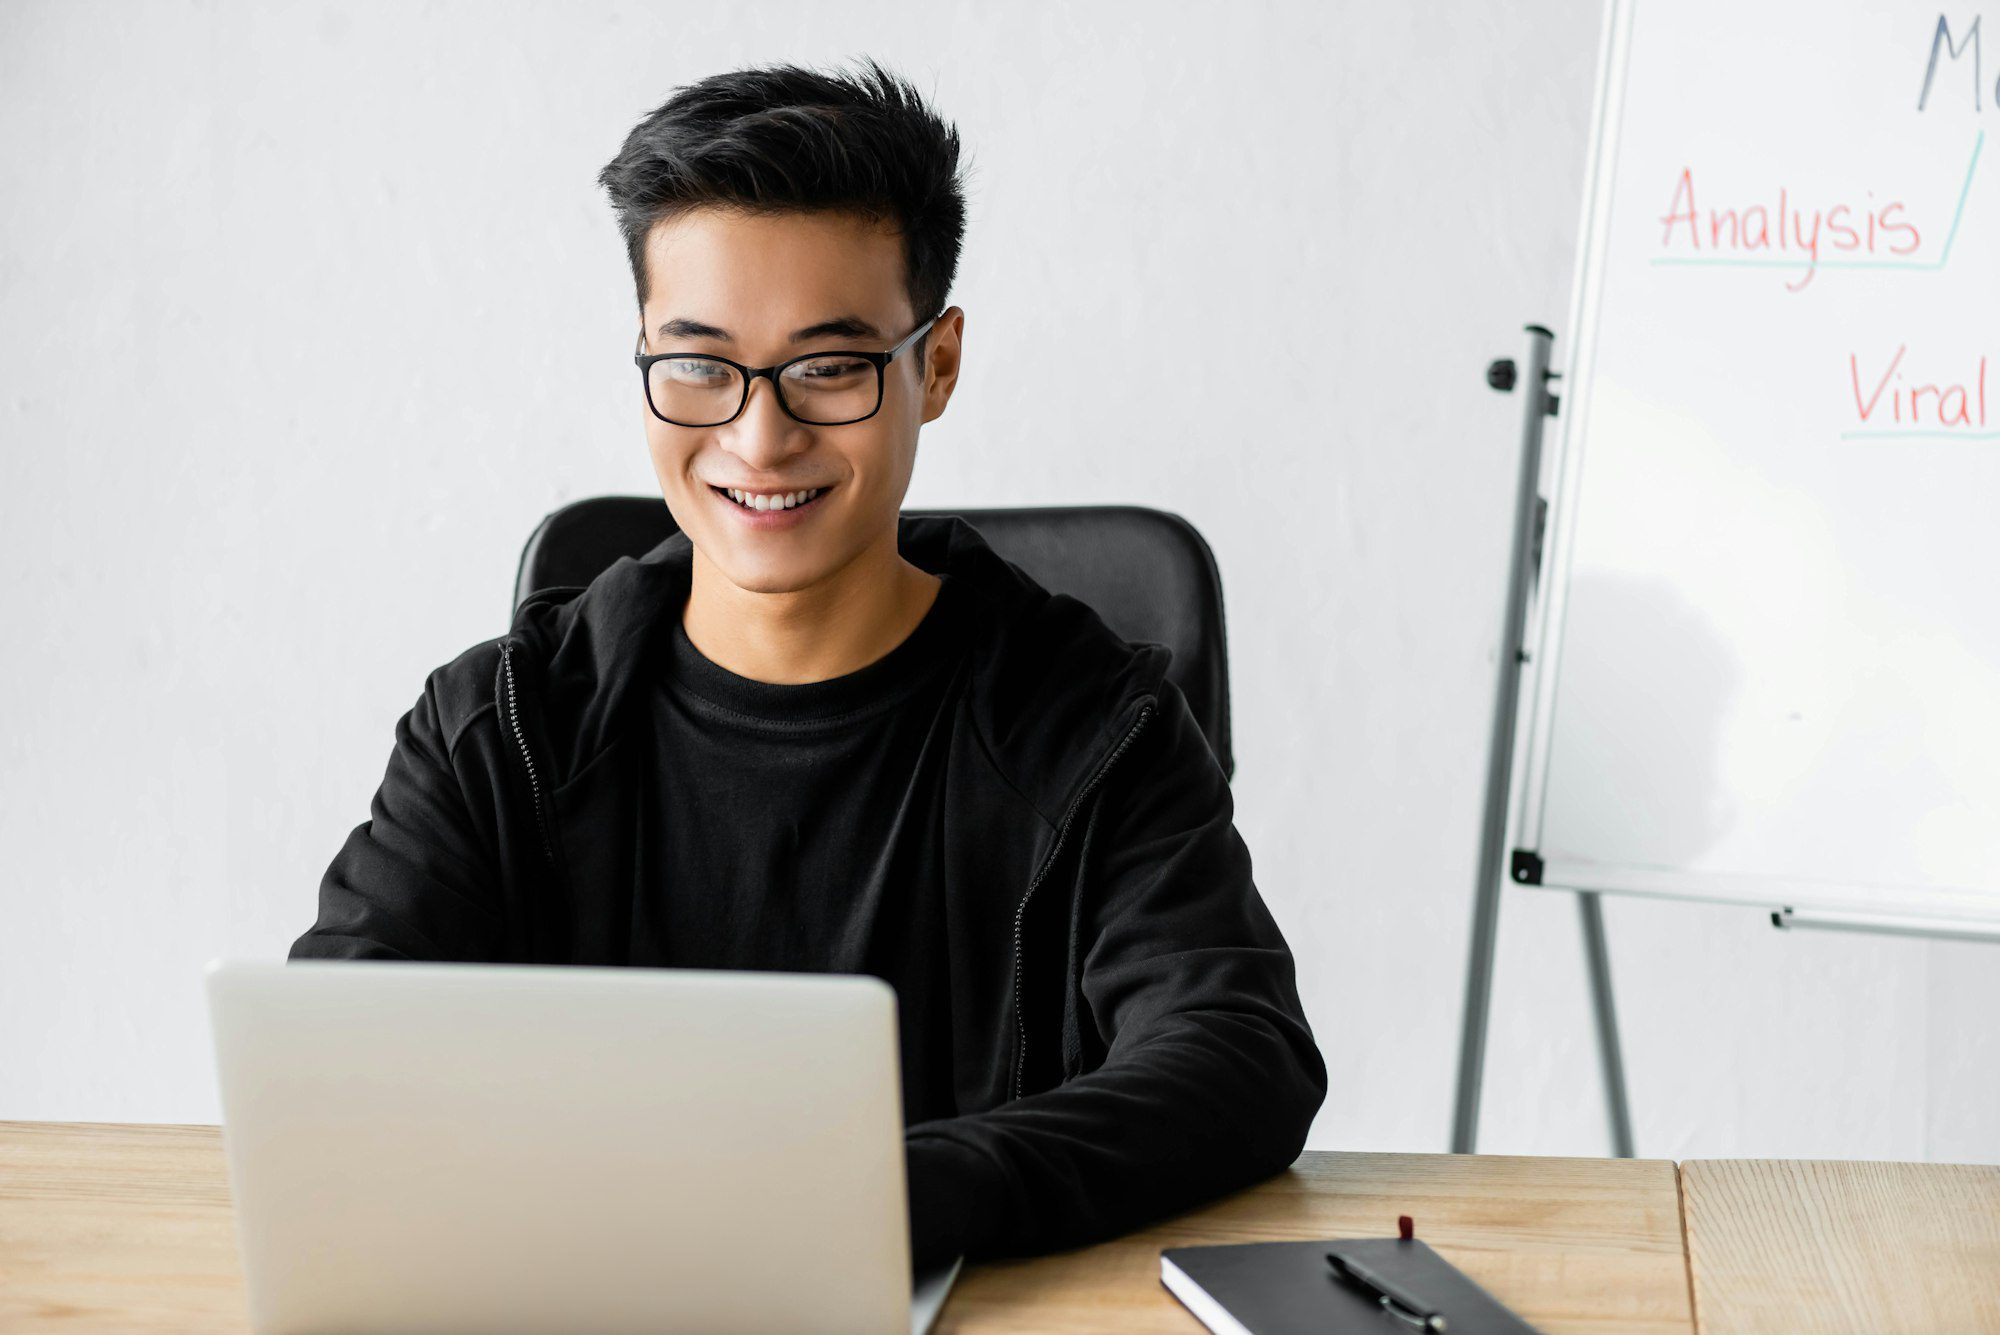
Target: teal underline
1938 263
1680 261
1963 191
1944 434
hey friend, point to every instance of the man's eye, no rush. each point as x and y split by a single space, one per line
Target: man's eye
828 368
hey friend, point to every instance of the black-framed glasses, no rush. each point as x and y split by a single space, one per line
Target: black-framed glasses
819 388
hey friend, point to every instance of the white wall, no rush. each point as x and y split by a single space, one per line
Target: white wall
308 314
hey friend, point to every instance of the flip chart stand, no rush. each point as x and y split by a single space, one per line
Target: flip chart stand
1523 865
1530 510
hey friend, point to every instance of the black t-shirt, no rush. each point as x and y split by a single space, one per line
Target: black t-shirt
802 828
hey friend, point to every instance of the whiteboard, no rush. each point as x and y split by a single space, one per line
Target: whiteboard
1766 649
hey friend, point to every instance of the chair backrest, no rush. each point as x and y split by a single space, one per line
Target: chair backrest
1147 572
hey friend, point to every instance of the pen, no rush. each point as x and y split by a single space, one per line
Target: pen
1395 1301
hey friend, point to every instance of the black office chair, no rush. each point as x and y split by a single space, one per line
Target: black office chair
1148 573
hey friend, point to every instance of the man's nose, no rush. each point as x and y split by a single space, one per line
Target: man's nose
763 435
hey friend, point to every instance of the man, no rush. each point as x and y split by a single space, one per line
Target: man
807 733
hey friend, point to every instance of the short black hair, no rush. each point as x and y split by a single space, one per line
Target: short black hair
784 138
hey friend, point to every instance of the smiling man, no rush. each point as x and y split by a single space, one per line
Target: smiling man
797 576
809 733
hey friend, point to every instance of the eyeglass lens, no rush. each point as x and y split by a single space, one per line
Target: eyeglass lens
826 391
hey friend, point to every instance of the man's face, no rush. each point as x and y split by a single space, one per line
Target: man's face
762 281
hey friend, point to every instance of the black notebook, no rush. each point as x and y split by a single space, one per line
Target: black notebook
1287 1288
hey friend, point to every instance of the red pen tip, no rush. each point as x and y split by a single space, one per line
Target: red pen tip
1406 1227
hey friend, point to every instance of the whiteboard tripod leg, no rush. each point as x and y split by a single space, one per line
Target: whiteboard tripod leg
1591 911
1478 993
1537 406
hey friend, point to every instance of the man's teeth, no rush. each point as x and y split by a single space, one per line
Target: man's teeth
785 501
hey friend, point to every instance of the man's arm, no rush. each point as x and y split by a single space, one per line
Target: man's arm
1211 1077
418 880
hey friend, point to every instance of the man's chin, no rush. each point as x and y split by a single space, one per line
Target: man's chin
738 562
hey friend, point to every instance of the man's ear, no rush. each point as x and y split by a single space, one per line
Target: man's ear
941 359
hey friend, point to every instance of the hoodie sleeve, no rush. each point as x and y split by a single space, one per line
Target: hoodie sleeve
417 879
1210 1078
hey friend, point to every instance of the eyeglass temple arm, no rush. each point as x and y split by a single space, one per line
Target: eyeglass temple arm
913 336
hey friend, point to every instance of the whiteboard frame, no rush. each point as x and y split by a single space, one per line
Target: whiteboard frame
1586 297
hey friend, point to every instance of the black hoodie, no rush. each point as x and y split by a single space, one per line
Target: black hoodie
1142 1046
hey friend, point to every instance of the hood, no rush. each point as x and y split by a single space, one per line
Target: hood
1052 687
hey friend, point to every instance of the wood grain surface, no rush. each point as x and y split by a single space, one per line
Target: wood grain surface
128 1227
115 1227
1807 1246
1571 1244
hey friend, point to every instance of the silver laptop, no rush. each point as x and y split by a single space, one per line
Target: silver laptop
529 1148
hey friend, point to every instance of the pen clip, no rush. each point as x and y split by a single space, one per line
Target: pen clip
1393 1299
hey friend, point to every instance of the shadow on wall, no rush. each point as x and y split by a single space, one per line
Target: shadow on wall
1634 761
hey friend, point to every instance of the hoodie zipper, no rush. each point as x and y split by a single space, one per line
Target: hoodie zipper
528 760
1062 831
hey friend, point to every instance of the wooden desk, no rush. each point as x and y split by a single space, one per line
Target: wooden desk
129 1227
1571 1244
1843 1246
115 1227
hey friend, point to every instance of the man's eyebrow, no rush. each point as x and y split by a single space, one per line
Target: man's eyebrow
845 326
